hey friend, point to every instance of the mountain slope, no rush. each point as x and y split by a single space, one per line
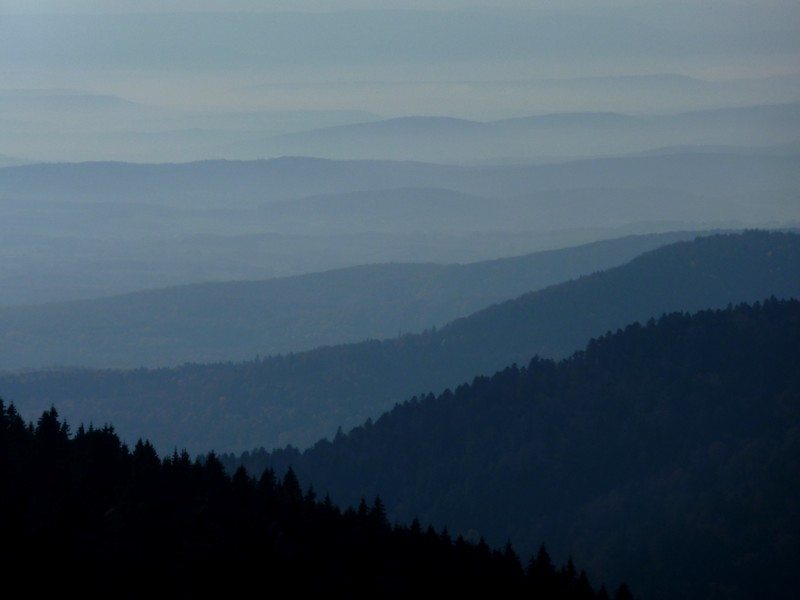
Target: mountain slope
137 523
239 320
668 451
302 397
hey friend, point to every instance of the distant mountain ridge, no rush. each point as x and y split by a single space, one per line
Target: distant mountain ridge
252 183
303 397
556 135
170 224
39 122
239 320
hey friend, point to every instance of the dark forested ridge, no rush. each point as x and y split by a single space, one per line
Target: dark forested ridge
128 523
300 398
667 451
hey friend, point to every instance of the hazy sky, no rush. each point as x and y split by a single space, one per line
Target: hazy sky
331 5
465 58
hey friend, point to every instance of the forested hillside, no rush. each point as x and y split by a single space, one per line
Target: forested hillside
667 451
516 281
131 523
300 398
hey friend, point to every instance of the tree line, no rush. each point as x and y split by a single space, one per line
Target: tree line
128 522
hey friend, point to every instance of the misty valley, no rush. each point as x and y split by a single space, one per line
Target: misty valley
370 301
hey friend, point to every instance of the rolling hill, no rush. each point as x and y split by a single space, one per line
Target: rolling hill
300 398
239 320
228 184
77 231
551 136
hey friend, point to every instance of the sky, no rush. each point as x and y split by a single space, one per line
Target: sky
168 52
331 5
390 58
83 6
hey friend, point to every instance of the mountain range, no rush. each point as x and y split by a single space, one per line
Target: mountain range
241 319
302 397
553 136
250 183
73 230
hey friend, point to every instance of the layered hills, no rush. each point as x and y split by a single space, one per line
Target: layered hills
300 398
239 320
254 182
561 135
88 230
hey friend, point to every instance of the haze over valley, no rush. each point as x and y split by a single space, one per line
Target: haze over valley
402 134
511 273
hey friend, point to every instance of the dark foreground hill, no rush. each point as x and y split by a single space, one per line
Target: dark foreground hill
668 451
300 398
128 523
